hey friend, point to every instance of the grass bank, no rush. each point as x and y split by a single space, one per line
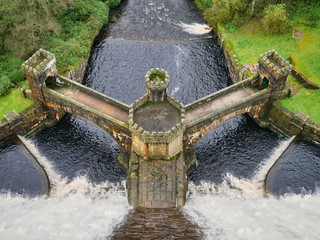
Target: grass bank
250 40
13 101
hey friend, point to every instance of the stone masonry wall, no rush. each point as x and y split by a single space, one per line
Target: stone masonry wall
26 121
293 124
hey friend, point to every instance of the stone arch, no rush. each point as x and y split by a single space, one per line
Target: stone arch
193 134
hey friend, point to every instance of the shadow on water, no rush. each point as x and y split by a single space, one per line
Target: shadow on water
77 147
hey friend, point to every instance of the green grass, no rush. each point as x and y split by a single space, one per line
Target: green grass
13 101
306 101
307 58
250 40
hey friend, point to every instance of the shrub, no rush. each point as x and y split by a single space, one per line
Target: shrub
5 85
230 27
203 4
113 3
224 11
11 67
276 19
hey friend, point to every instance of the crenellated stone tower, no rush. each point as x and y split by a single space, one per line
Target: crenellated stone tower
39 68
157 175
273 70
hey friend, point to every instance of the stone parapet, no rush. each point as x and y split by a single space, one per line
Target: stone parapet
91 92
245 83
33 118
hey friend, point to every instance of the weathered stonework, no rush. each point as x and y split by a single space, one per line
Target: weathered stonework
157 175
38 68
274 68
156 133
33 118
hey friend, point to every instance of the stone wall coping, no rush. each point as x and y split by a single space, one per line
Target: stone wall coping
55 95
94 93
263 94
247 82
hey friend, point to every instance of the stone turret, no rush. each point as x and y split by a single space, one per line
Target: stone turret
157 81
273 70
38 68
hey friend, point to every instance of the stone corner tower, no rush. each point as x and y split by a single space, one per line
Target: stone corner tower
38 68
273 70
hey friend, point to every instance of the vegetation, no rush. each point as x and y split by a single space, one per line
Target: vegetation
306 101
13 101
275 19
269 24
65 28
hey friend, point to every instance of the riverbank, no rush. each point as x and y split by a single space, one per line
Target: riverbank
300 113
75 30
280 119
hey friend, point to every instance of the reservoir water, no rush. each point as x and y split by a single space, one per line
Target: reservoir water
226 186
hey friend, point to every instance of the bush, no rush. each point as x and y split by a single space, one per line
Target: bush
113 3
11 67
224 11
5 85
276 19
203 4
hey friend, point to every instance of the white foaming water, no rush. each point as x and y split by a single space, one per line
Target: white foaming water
195 28
75 210
238 209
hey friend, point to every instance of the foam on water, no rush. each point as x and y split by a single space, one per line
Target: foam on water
74 210
195 28
226 213
235 209
238 208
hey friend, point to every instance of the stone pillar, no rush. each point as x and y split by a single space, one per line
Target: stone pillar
38 68
157 81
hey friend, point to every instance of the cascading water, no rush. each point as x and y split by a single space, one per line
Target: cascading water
87 198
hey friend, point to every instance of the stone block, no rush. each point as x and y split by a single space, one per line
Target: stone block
12 117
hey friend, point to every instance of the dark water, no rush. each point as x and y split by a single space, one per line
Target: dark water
117 69
237 147
297 171
79 148
17 174
147 35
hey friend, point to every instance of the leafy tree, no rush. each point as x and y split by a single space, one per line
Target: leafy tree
276 19
224 11
5 85
24 22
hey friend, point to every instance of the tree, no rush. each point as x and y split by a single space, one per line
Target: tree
276 19
24 21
